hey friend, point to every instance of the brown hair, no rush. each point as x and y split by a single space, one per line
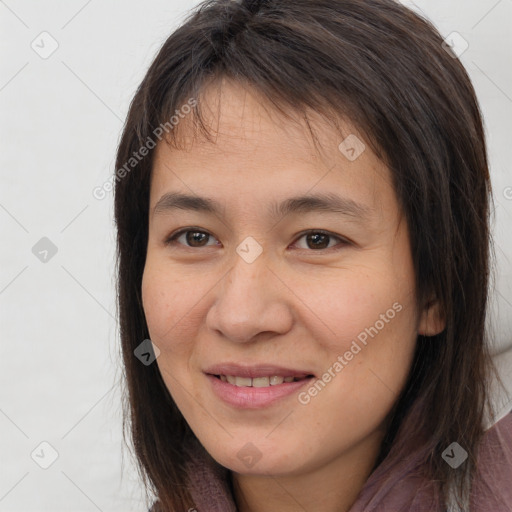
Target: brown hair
384 68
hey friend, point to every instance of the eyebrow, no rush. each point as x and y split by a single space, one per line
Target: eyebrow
330 203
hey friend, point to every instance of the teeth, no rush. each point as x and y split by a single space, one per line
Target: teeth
256 382
260 382
243 381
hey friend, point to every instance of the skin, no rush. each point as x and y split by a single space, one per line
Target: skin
296 305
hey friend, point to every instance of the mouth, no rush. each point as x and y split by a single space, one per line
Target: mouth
255 387
259 382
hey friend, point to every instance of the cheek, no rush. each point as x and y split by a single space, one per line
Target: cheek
349 303
367 317
170 304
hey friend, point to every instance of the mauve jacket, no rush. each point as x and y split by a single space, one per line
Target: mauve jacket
389 488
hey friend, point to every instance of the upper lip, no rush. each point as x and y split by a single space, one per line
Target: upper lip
252 371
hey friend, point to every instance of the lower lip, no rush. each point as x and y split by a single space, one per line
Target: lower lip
249 397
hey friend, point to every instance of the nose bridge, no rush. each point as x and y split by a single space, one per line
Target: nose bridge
244 277
248 301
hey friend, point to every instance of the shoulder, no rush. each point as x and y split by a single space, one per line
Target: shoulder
491 485
497 439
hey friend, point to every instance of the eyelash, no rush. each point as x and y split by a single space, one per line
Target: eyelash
172 239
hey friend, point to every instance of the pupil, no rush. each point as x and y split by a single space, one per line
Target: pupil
315 239
194 237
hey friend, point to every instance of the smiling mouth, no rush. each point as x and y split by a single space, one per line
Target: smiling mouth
260 382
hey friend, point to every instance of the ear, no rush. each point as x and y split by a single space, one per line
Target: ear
432 320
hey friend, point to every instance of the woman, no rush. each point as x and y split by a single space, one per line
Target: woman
302 203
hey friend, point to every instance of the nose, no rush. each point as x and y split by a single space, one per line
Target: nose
250 300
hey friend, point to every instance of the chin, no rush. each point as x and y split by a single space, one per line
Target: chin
254 459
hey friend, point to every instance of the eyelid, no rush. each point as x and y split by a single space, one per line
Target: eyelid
343 241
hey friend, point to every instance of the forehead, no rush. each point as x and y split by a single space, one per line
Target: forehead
240 119
260 153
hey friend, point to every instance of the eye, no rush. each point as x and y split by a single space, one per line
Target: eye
318 239
197 238
191 237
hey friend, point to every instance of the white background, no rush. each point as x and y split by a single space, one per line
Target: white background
61 119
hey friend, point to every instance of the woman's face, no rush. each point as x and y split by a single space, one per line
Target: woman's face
258 285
